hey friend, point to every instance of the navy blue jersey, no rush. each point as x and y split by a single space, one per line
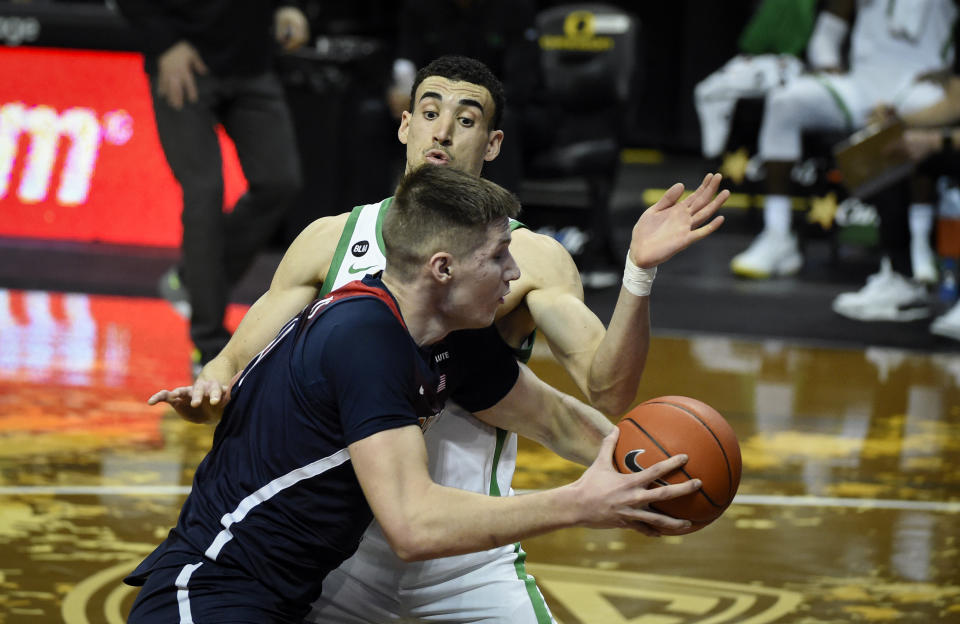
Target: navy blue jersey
276 496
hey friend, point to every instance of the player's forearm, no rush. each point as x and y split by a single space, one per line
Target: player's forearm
558 421
579 429
453 522
259 326
619 360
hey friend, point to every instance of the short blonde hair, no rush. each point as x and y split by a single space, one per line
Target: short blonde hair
439 208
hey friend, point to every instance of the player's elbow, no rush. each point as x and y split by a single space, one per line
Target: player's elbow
610 402
410 543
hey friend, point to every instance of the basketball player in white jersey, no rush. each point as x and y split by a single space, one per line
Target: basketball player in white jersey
455 106
892 43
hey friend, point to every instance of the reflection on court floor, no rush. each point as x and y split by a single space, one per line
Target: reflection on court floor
847 511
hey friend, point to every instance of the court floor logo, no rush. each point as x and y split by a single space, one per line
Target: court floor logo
576 596
584 596
101 598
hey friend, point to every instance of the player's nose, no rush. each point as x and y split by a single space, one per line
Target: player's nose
512 270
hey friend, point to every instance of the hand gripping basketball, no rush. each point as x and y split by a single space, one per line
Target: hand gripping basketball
666 426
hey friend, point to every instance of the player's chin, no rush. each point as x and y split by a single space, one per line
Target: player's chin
484 319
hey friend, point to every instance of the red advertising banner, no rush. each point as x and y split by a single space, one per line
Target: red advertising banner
79 154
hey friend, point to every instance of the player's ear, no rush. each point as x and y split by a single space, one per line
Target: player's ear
440 266
404 127
494 139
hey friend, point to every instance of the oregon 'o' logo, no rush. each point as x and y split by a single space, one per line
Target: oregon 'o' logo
579 25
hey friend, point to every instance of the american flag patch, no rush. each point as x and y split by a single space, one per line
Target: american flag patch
443 382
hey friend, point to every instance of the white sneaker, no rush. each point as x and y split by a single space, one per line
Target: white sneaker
948 324
769 255
923 262
887 296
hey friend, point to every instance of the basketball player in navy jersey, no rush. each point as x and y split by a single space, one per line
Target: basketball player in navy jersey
322 431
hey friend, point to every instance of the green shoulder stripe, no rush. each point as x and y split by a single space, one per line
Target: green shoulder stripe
342 245
383 211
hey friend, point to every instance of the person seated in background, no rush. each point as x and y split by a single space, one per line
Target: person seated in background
891 44
890 295
770 48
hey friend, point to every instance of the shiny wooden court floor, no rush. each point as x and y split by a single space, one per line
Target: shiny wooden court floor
848 509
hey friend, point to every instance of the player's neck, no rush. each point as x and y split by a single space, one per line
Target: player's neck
421 309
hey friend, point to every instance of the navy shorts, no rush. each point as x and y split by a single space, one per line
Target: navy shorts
208 593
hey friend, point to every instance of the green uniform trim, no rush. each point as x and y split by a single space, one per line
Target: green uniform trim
383 211
501 440
342 245
837 99
536 599
522 353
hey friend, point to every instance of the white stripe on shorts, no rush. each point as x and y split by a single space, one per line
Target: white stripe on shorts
183 596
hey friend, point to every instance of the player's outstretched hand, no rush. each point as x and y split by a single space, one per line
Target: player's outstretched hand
610 499
202 402
673 224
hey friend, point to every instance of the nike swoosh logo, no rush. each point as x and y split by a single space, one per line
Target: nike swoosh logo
630 460
353 270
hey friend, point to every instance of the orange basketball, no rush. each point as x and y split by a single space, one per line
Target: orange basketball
660 428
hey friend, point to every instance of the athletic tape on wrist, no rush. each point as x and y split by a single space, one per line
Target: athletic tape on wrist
636 280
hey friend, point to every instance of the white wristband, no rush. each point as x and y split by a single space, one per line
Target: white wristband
636 280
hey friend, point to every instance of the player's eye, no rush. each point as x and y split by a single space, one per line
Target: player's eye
467 122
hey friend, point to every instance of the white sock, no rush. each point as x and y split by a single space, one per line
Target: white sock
776 214
921 222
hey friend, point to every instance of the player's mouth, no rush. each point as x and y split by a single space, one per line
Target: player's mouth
437 157
503 298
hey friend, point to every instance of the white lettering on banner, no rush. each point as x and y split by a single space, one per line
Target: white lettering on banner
45 128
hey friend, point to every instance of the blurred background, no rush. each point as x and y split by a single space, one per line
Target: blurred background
75 198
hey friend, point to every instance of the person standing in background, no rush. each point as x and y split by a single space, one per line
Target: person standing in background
210 63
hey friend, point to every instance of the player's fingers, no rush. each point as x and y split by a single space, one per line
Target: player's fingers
662 468
674 490
644 528
655 521
158 397
708 189
704 212
216 392
197 393
670 197
708 229
695 196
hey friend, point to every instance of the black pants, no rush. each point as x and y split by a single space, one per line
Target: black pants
892 206
218 248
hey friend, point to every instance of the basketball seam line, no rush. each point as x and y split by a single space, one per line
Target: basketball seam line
668 454
719 444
